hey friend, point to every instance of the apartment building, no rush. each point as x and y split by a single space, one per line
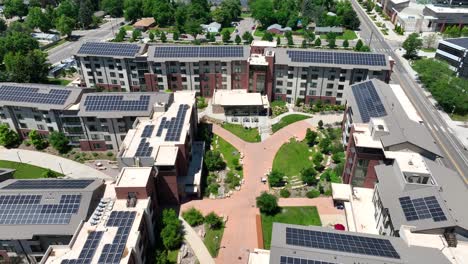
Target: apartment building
26 107
455 53
165 141
35 214
379 118
121 229
280 74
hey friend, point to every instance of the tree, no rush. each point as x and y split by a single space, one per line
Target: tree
32 70
359 45
193 27
285 193
412 45
3 26
59 141
275 178
132 10
452 32
175 35
14 8
313 193
85 14
320 124
318 42
193 217
213 221
35 17
113 7
226 36
308 176
267 36
36 140
262 10
171 233
464 31
8 137
247 37
267 203
17 42
162 11
161 257
430 40
238 40
337 157
331 43
325 145
228 11
290 40
304 44
213 161
151 36
311 137
65 25
68 8
49 174
163 37
278 41
317 157
121 35
345 44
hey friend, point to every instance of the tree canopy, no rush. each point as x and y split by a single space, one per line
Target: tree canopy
8 137
267 203
412 45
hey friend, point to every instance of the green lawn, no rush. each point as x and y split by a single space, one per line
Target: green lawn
292 157
305 216
128 27
347 34
459 117
246 134
56 44
59 81
229 153
23 170
429 49
230 29
287 120
172 256
244 15
213 239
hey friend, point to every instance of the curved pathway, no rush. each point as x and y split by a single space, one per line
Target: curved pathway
240 234
68 167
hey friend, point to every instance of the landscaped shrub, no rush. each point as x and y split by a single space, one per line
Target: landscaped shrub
313 193
275 178
328 192
213 161
193 217
267 203
285 193
213 188
308 176
214 221
232 180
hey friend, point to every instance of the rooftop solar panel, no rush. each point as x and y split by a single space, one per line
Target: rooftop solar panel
109 49
107 102
368 101
48 184
422 208
147 131
112 253
144 149
88 250
197 51
327 57
24 94
341 242
28 210
295 260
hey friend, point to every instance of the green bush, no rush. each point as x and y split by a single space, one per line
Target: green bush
213 161
275 178
214 221
213 188
328 192
308 176
95 154
232 180
267 203
313 193
285 193
193 217
109 154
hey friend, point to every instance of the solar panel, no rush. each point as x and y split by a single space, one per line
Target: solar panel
368 101
28 210
175 125
341 242
327 57
422 208
295 260
144 149
147 131
112 253
197 51
48 184
88 250
109 49
105 103
26 94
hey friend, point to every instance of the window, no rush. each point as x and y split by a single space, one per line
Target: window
303 85
2 116
340 87
290 76
160 79
290 84
120 75
330 86
314 76
37 118
96 145
114 81
23 125
112 74
313 85
342 78
109 146
184 79
173 78
311 92
304 76
331 77
289 92
328 94
91 119
196 71
339 95
51 129
20 117
40 127
302 93
111 67
279 83
107 138
100 81
105 128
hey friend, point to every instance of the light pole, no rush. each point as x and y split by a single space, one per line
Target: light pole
453 110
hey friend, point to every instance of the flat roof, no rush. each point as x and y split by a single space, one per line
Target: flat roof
280 248
188 53
40 96
263 43
238 98
134 177
56 210
117 105
461 42
111 49
144 22
447 10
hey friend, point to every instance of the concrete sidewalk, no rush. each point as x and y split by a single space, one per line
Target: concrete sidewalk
196 243
69 168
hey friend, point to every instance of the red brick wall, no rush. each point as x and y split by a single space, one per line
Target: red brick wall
88 145
269 78
322 98
371 176
151 82
243 76
167 188
122 192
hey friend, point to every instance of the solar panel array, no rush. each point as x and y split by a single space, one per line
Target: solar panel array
48 184
198 51
88 250
295 260
104 103
368 59
27 210
341 242
144 149
109 49
147 131
112 253
368 101
24 94
175 125
422 208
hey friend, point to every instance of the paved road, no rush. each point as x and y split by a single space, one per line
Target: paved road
67 49
455 156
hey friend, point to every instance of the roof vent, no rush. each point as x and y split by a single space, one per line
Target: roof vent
380 127
410 162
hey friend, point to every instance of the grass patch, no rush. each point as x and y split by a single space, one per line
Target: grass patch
287 120
230 29
229 152
246 134
245 15
305 216
213 239
56 81
347 34
429 49
56 44
24 170
292 157
128 27
463 118
172 255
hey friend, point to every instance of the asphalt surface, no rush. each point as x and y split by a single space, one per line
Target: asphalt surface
455 156
69 48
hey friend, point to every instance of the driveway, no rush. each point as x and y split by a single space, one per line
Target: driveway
240 233
69 168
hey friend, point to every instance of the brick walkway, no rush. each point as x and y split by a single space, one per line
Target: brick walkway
240 233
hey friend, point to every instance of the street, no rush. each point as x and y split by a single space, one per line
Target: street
69 48
455 156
